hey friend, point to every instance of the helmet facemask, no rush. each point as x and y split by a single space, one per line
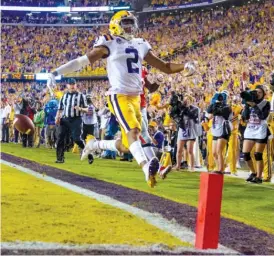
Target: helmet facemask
129 26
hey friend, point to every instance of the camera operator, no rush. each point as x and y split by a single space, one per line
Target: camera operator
89 119
187 118
256 133
221 127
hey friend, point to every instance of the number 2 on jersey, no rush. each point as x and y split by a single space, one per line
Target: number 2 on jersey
132 60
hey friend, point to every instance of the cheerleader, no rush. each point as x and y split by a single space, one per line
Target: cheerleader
256 133
221 113
188 131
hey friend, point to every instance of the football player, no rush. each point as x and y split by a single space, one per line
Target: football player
124 54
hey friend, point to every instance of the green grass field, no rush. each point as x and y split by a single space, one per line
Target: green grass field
36 210
248 203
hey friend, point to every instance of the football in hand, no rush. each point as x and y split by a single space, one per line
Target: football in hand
23 124
190 69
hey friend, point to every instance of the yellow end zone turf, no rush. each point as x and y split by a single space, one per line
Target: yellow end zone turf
248 203
36 210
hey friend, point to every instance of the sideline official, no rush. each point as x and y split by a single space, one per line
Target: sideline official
69 116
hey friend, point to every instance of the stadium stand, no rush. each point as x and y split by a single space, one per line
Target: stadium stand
161 3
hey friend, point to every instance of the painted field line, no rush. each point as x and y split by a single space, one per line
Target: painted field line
156 220
24 245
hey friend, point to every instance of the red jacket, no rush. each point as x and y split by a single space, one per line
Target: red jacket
143 95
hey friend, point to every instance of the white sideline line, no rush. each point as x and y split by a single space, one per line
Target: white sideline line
23 245
156 220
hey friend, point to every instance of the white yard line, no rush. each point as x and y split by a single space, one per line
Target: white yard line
156 220
23 245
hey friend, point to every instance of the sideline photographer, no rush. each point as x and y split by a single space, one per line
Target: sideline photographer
89 119
187 117
256 133
221 127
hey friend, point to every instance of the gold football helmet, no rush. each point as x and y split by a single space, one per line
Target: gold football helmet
123 23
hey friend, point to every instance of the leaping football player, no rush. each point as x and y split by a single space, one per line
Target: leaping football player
124 54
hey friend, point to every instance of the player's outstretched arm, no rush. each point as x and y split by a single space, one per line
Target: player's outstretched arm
79 63
166 67
76 64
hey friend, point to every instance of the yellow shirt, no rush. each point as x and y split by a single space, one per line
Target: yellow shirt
58 94
236 110
12 114
167 119
155 99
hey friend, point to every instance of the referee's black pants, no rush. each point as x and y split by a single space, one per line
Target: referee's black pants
88 129
72 125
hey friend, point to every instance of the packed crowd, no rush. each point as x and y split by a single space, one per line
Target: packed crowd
162 3
38 50
167 34
102 3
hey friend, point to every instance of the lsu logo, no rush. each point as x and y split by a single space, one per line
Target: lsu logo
119 40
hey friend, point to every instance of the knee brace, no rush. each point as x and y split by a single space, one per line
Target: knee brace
258 156
247 156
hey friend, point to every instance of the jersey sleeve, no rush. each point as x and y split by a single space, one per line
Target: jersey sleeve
147 47
103 41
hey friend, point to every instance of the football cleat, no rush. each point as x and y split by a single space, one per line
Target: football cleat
163 171
90 158
89 148
150 171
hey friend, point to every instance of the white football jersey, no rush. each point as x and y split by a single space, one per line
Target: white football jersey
256 128
124 63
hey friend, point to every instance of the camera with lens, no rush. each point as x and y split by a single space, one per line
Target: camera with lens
176 106
219 98
249 95
272 82
89 99
218 102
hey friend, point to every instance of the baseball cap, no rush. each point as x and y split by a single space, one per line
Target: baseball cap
153 124
71 81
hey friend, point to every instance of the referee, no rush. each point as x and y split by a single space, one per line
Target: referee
69 116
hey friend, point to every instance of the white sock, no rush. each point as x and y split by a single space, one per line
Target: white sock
149 152
106 145
137 152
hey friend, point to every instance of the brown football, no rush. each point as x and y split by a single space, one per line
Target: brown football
23 124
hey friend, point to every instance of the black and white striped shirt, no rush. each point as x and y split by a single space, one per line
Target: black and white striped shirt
71 100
